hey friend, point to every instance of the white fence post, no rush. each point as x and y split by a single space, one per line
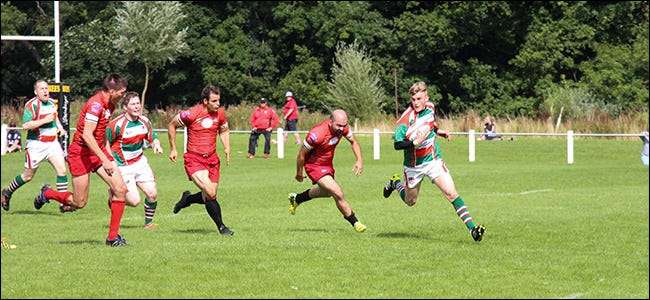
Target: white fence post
569 147
4 139
280 140
375 144
472 145
185 139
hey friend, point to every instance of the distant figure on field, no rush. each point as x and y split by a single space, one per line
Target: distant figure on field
490 130
263 120
290 116
13 139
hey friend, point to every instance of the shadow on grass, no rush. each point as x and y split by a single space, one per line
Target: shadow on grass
197 231
402 235
82 242
309 230
35 212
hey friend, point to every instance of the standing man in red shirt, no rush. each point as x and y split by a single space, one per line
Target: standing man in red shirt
290 116
87 153
263 120
204 122
315 157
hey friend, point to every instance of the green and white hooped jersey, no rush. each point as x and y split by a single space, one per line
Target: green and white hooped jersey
407 126
36 109
127 138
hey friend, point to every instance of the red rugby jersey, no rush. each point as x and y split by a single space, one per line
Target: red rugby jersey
321 143
202 128
98 109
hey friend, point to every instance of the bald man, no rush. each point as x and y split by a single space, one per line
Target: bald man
315 157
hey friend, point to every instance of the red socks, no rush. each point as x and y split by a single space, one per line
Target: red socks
117 209
61 197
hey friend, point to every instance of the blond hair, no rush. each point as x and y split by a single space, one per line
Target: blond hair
417 87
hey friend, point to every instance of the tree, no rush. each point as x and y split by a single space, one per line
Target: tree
355 86
149 33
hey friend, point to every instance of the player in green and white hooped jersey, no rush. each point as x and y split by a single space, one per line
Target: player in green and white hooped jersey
43 128
422 157
125 136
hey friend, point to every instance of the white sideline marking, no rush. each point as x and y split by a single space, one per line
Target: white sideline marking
535 191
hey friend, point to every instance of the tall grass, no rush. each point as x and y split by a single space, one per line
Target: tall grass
239 118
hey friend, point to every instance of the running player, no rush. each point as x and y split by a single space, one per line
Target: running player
315 157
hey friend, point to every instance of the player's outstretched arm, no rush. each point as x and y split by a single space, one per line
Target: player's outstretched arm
300 163
224 135
356 149
171 133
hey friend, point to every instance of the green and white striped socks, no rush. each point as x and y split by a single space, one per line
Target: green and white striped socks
463 212
149 210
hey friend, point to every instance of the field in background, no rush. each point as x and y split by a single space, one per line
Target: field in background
553 230
239 118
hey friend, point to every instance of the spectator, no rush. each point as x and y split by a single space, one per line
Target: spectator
644 151
263 120
490 130
13 139
290 116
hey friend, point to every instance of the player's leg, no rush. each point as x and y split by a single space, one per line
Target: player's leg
309 194
267 144
208 184
119 190
150 201
329 185
252 143
408 191
57 161
132 196
16 183
446 184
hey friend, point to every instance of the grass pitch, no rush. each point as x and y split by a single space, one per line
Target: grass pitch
553 230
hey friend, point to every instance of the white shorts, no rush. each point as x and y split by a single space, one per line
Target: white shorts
135 173
432 169
38 151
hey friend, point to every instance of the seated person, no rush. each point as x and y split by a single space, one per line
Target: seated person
490 130
13 139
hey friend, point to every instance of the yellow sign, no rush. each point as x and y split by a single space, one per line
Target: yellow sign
55 88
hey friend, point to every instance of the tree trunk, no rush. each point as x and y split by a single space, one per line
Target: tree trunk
146 82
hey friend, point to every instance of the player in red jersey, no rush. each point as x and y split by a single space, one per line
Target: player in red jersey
315 157
87 153
204 122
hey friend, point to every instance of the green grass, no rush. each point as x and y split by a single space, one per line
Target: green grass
553 230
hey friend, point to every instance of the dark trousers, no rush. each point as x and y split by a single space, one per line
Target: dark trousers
252 141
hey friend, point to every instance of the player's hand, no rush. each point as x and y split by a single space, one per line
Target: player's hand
357 169
444 134
299 177
269 129
49 118
172 155
108 167
228 157
62 132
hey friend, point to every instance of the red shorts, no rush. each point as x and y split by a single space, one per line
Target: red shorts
82 160
195 162
316 172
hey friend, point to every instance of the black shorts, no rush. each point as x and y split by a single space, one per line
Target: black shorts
291 125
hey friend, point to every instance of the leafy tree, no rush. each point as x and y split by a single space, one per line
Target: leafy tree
149 33
355 86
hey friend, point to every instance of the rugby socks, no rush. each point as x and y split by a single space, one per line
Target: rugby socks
62 183
117 209
61 197
195 198
149 210
351 218
463 212
15 184
399 187
214 210
303 197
